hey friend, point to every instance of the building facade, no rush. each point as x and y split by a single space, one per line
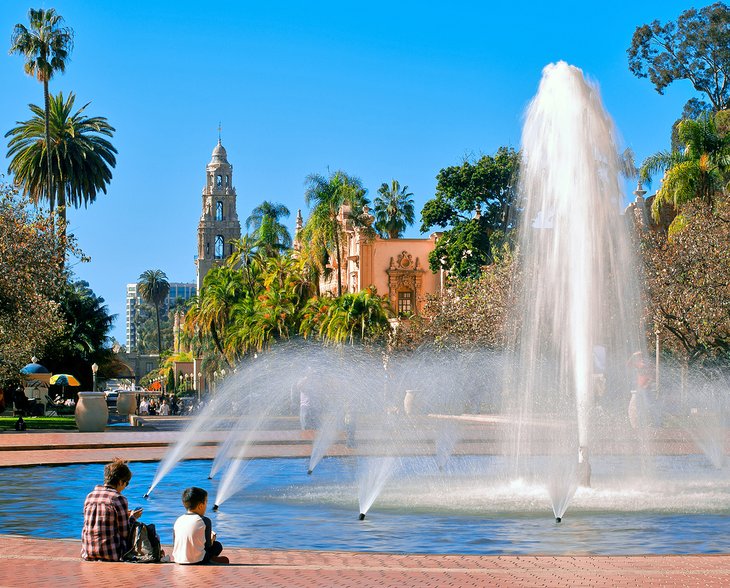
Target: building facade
178 291
397 268
219 226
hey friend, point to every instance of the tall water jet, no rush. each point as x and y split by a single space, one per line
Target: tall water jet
578 282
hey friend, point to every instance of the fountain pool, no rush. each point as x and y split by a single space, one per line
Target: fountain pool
470 506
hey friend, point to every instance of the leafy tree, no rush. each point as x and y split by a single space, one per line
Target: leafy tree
698 170
85 335
30 282
687 279
324 231
154 288
81 157
695 48
474 200
266 229
46 46
394 210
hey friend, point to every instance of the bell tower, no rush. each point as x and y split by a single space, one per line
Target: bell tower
219 225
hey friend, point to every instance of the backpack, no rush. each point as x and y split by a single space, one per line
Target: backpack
144 544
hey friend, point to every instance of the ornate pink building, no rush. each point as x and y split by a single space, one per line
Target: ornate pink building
397 268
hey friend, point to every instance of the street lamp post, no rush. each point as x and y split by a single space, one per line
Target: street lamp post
94 369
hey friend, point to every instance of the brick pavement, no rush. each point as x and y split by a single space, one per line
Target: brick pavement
39 562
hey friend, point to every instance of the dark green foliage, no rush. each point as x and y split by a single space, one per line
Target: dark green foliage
84 338
487 185
695 48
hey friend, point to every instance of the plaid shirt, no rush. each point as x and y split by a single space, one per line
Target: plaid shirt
106 525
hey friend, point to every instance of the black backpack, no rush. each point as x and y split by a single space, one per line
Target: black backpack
144 544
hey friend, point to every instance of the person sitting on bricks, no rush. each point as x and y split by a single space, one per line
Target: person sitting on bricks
107 519
194 540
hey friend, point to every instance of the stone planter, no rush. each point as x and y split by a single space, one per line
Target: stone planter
126 402
91 412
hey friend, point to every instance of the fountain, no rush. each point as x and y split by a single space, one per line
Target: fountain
553 428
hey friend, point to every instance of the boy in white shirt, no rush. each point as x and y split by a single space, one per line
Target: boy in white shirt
193 536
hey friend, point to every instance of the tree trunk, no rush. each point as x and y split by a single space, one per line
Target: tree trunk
47 128
159 334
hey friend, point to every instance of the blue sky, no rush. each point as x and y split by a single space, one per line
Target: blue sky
381 90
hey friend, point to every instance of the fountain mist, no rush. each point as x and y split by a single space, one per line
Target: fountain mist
578 276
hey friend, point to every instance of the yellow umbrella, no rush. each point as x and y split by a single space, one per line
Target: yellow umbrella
64 380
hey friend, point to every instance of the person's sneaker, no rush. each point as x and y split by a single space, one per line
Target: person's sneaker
220 559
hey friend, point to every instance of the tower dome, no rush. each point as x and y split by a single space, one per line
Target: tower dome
219 154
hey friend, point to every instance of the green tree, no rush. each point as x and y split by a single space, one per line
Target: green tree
695 48
81 157
46 46
266 229
474 200
324 231
394 210
85 336
697 170
154 288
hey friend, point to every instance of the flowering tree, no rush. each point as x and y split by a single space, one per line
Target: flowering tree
30 280
688 282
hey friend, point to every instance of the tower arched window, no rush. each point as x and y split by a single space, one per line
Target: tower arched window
228 180
218 247
219 210
219 180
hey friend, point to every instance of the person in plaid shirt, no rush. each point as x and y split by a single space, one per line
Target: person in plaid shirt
107 519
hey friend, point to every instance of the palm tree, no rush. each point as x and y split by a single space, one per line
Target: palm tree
700 170
394 210
81 156
326 196
154 288
269 234
46 47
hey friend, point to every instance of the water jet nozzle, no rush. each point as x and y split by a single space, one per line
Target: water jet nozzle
309 472
215 507
558 520
210 477
361 517
146 495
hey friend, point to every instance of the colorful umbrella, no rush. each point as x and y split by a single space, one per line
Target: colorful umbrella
64 380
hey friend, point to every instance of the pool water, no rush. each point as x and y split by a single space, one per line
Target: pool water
280 507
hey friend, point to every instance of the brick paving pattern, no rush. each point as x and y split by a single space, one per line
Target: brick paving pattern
40 562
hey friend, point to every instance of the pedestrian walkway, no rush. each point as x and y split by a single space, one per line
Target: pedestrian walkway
38 562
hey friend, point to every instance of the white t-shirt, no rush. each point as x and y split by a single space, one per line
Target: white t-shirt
189 536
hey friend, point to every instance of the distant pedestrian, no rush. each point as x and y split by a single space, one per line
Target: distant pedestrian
20 424
164 409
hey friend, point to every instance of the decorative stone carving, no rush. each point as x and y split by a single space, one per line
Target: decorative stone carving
405 260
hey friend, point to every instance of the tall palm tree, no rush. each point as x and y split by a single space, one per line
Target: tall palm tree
325 196
154 288
81 156
269 234
700 170
46 47
394 210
